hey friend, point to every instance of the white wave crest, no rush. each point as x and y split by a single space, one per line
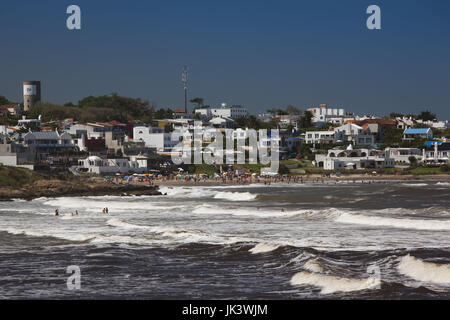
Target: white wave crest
263 247
263 212
331 284
424 271
235 196
54 234
415 184
417 224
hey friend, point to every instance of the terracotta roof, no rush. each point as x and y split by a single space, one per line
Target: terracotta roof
379 121
179 111
6 106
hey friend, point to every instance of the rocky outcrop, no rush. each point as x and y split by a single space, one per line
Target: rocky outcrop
58 188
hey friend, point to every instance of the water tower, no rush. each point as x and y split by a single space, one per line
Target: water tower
31 94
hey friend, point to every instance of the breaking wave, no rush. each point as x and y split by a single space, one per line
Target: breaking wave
331 284
418 224
424 271
235 196
263 247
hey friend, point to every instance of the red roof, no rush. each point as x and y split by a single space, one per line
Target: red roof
179 111
6 106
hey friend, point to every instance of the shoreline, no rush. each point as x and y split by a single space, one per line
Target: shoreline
99 187
306 179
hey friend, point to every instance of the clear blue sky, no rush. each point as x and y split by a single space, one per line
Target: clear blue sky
260 54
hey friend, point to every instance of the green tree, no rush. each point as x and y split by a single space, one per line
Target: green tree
394 115
197 101
306 120
290 109
426 116
3 100
412 160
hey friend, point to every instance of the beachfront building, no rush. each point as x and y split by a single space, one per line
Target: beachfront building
353 159
417 133
438 153
403 154
97 165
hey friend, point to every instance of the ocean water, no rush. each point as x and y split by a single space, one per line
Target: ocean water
386 240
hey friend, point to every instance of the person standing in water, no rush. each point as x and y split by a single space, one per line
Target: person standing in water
106 210
56 212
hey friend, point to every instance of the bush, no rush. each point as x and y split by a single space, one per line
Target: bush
445 168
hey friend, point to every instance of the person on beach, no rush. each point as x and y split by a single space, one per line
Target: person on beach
106 210
76 212
103 211
56 212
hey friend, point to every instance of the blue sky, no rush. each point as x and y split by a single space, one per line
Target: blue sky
260 54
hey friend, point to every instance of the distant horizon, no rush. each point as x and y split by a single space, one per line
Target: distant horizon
258 55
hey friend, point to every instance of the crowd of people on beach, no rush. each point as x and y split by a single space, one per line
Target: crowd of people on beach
233 178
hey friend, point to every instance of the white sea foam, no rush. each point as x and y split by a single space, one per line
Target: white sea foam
43 233
235 196
443 183
252 211
204 192
424 271
417 224
115 222
313 265
184 192
263 247
96 205
331 284
415 184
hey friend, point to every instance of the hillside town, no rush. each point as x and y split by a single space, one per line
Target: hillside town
319 138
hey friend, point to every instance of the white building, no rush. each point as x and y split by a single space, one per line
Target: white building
323 115
354 159
319 137
403 154
29 122
91 130
438 153
222 122
48 139
94 164
229 112
154 137
417 133
353 133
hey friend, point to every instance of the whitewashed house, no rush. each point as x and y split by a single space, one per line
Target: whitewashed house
354 159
